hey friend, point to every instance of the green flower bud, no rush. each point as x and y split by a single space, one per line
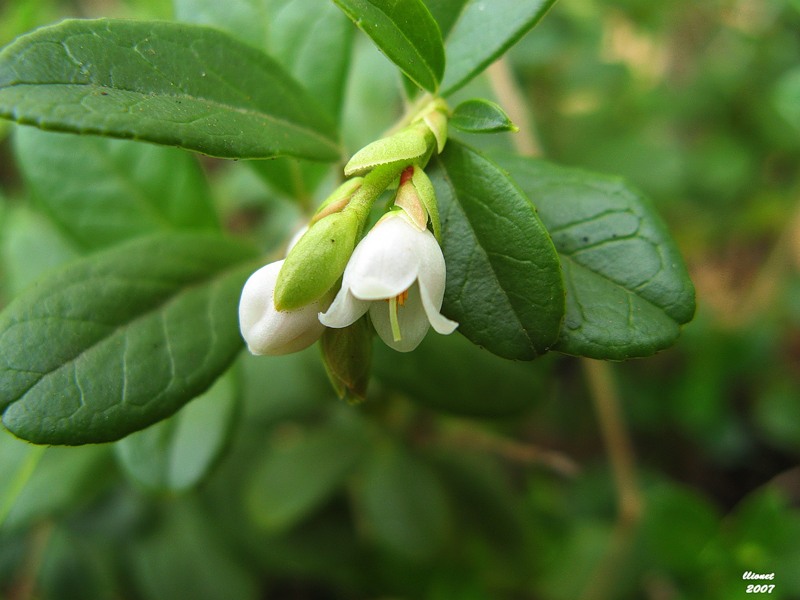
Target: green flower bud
317 261
347 354
338 199
406 145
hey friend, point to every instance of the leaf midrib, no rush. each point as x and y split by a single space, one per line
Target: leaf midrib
198 99
118 327
505 295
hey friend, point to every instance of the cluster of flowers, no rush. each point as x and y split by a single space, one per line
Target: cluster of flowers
396 273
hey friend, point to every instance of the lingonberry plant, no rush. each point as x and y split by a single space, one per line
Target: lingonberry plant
411 230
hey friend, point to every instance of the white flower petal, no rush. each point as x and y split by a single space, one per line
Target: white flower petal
267 330
438 321
345 310
411 317
432 276
385 263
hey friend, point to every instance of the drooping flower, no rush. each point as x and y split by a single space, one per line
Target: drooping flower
397 273
268 330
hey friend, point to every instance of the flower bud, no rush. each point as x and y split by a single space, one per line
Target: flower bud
408 144
317 261
347 354
268 330
338 199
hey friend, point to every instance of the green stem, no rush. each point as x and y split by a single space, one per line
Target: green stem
373 185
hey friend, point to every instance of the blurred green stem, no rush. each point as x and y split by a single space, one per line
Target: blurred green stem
598 379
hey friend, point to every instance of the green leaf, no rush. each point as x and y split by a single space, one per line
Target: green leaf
73 565
678 548
178 453
504 283
309 38
481 116
446 13
312 40
482 32
103 191
403 505
30 246
628 291
185 556
301 471
121 339
290 177
173 84
406 32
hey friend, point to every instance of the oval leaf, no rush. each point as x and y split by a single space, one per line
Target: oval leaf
482 31
628 291
177 453
406 32
504 283
121 339
102 191
301 472
311 39
403 505
481 116
179 85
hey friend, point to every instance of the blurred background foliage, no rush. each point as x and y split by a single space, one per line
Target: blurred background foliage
466 476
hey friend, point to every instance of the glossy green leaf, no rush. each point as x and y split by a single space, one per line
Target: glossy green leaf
309 38
121 339
481 116
504 284
178 453
481 32
628 291
103 191
406 32
301 471
180 85
403 505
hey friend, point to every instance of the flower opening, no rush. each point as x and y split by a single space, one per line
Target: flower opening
397 274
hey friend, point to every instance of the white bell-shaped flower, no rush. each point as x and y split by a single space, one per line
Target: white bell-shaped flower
268 330
397 273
